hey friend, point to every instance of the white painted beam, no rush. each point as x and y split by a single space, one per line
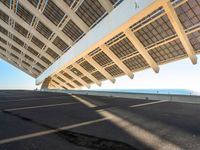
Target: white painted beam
141 49
180 31
77 78
100 68
117 61
61 83
52 86
83 71
74 17
109 27
57 86
67 80
45 21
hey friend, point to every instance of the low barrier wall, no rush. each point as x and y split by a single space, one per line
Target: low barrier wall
170 97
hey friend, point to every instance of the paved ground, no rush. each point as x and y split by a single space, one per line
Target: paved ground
31 120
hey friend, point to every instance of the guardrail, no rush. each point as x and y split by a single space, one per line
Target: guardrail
170 97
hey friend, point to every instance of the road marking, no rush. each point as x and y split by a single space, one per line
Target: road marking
89 104
139 133
30 99
41 106
151 103
36 134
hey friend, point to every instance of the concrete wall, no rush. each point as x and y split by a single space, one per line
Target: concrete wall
175 98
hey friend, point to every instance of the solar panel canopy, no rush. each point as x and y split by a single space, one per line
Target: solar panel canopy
36 34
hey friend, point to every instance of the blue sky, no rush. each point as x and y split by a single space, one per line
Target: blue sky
177 75
13 78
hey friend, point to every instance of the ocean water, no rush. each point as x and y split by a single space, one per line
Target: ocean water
156 91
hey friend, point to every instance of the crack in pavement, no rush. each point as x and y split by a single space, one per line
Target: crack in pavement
80 139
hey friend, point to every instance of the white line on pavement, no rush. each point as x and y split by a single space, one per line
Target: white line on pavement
29 99
41 106
36 134
151 103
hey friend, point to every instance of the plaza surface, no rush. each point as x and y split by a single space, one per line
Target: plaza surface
54 121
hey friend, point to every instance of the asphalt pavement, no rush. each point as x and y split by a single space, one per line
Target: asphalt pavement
34 120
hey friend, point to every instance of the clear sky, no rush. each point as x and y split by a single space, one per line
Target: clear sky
13 78
177 75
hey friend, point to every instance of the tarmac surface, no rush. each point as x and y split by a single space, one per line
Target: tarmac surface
33 120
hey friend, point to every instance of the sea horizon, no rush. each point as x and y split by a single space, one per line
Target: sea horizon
154 91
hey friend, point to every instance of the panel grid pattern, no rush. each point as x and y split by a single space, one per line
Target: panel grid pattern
189 13
102 59
67 75
87 80
30 49
21 29
167 51
53 12
41 66
76 72
34 2
77 83
123 48
6 2
72 30
114 70
4 17
90 11
24 14
44 59
52 53
15 49
3 30
69 2
98 76
3 41
195 40
41 28
37 42
135 63
58 42
155 31
87 66
18 40
151 30
29 58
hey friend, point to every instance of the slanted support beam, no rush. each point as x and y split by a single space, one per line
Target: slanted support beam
74 17
83 71
57 86
180 31
100 68
46 83
77 78
116 60
67 80
141 49
107 5
61 83
51 86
